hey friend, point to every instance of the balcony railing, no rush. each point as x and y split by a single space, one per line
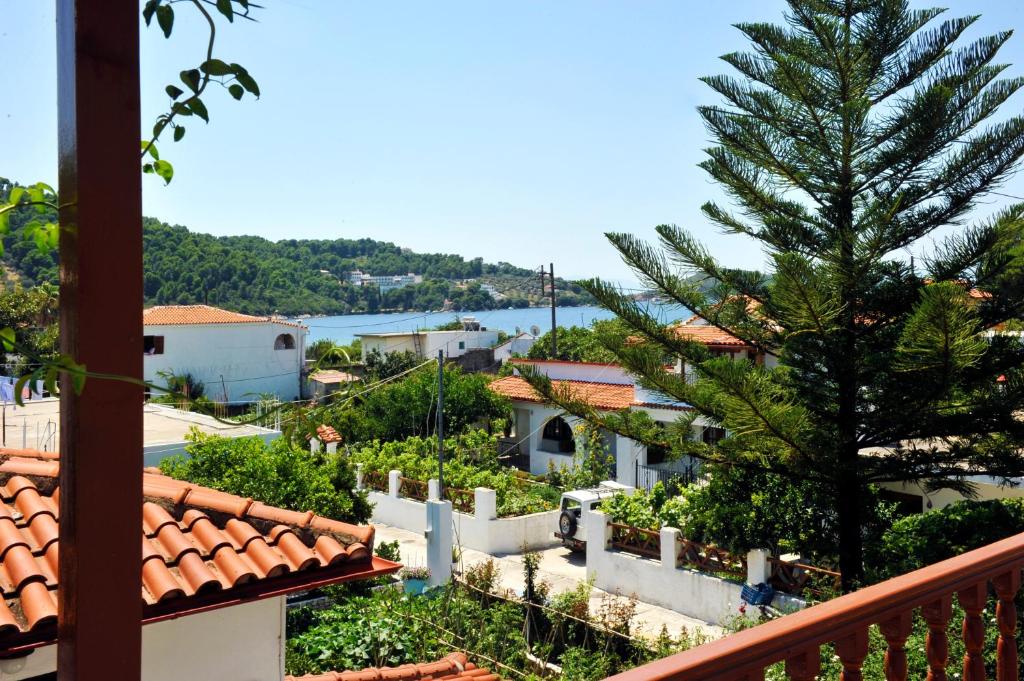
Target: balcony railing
796 639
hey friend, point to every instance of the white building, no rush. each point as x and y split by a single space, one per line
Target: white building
517 345
548 436
385 282
236 356
425 344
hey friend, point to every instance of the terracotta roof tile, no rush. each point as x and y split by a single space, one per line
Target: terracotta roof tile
707 334
598 395
327 434
195 541
177 315
453 667
332 376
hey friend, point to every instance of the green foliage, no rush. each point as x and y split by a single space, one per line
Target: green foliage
471 461
925 538
279 474
408 406
591 462
380 366
576 344
31 317
184 383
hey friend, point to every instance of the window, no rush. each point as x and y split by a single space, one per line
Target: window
462 345
559 437
712 435
152 345
658 453
285 341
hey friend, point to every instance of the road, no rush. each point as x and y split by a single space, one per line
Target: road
564 571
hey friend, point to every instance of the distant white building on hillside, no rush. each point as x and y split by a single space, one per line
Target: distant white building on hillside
517 345
385 282
425 344
236 356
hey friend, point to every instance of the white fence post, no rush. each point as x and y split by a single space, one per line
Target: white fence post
359 476
485 503
758 568
669 548
314 444
433 490
439 541
394 483
599 533
332 447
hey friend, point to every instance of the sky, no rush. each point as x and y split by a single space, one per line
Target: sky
519 131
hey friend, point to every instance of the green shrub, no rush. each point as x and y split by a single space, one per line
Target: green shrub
922 539
279 474
471 460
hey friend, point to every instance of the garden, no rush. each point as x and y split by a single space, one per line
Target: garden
471 460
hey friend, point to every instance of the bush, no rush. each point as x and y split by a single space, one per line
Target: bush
279 474
922 539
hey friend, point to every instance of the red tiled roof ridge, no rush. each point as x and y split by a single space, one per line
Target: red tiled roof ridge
328 434
453 667
615 396
182 315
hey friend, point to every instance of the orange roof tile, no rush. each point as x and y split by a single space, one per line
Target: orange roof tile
707 334
201 548
454 666
332 376
178 315
613 396
328 434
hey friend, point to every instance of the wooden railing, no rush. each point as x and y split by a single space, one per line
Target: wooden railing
796 639
708 558
800 579
462 499
636 540
376 480
412 489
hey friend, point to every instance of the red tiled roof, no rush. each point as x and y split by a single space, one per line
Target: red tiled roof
200 548
612 396
178 315
707 334
454 666
597 395
327 434
525 360
332 376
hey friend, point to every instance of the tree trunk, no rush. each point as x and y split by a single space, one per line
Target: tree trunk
851 548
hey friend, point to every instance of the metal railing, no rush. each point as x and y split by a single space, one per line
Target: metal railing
796 639
648 476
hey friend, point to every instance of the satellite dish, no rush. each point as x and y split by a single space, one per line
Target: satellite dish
535 330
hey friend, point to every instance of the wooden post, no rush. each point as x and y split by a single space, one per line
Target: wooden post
99 598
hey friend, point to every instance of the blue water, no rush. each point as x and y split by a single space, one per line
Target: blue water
343 329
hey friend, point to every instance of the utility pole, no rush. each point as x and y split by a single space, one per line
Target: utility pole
554 325
440 424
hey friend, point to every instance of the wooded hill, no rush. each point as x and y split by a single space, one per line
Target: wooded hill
293 276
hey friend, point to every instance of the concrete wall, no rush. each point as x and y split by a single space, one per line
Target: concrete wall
243 355
519 345
235 643
985 487
660 582
482 531
579 371
427 343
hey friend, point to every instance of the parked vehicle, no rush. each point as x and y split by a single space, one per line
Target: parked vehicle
571 529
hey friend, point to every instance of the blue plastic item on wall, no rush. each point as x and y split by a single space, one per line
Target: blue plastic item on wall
762 594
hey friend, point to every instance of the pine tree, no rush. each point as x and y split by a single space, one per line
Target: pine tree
857 133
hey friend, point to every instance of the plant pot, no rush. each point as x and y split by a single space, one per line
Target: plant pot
414 587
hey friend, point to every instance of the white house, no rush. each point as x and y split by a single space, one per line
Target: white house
236 356
517 345
385 282
216 569
548 436
425 344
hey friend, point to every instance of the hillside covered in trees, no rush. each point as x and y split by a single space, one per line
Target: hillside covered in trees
295 276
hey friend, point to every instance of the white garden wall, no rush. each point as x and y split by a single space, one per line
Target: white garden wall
482 530
692 593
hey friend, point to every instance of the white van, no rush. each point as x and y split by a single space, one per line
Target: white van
571 529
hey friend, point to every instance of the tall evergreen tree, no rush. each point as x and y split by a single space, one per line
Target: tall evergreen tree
855 131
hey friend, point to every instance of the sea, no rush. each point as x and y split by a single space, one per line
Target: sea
343 329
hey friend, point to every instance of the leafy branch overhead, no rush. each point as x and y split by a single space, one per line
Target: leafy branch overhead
185 103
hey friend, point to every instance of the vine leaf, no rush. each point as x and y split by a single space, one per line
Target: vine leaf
7 338
224 7
174 92
236 90
165 17
215 67
179 132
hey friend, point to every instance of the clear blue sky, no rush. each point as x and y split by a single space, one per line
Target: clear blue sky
516 131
